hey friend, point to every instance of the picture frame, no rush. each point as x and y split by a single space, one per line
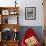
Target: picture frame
5 12
30 13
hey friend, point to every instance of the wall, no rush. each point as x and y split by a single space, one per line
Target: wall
27 3
39 12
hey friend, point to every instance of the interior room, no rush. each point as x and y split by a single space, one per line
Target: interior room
22 22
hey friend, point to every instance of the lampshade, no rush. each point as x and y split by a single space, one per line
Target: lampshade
15 30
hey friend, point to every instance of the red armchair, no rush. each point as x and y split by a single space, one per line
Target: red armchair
28 34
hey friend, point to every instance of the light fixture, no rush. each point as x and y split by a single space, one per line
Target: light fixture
15 3
15 30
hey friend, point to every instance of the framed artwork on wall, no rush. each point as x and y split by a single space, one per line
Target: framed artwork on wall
30 13
5 12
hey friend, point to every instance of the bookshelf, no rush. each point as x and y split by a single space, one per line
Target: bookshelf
9 24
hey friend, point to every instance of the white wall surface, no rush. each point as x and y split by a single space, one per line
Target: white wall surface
27 3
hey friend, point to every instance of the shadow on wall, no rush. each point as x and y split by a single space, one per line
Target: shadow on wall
37 29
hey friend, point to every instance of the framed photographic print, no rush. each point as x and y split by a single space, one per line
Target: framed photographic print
30 13
5 12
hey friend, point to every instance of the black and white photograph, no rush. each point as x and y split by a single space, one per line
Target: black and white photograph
30 13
